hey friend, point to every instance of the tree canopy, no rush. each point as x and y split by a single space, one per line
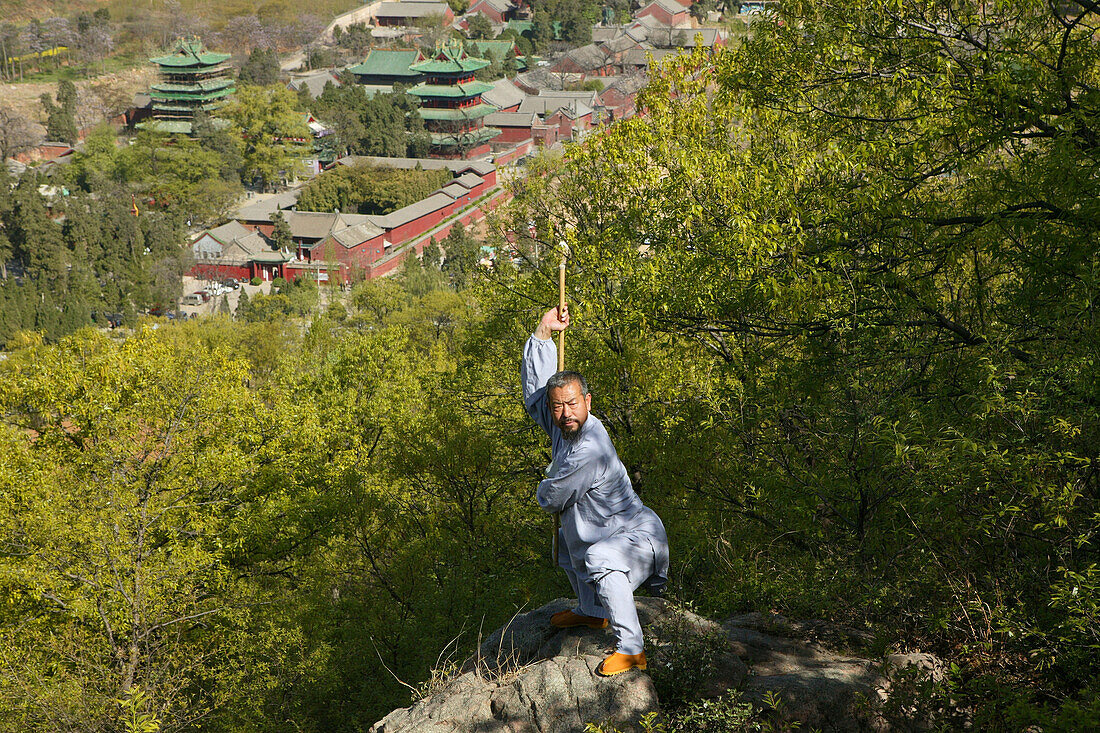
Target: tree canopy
834 293
871 228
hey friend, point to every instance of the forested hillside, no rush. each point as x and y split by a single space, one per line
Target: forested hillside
835 293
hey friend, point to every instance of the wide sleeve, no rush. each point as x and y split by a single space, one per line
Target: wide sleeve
578 473
539 363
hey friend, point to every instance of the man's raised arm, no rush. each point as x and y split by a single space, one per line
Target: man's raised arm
539 363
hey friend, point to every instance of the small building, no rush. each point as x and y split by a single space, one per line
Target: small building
191 78
587 61
314 82
677 38
404 13
497 11
538 79
668 12
233 250
356 247
638 59
515 127
450 102
617 99
386 67
258 214
504 95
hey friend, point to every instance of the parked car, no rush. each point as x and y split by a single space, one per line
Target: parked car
232 283
204 294
192 299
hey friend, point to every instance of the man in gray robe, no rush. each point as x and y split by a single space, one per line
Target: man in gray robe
610 543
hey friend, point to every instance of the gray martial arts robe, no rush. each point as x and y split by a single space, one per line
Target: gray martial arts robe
604 525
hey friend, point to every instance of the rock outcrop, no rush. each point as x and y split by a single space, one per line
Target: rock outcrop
527 677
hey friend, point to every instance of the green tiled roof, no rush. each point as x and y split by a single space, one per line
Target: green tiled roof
381 62
449 56
207 85
499 49
216 94
191 53
188 109
467 113
523 26
469 89
178 127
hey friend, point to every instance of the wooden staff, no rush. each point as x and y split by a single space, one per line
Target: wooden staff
561 368
561 310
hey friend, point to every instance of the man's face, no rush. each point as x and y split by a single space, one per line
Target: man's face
569 408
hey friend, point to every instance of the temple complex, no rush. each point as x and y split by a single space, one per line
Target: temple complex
450 102
191 78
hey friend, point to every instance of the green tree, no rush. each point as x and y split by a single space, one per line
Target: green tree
261 68
60 117
462 253
179 174
281 235
96 164
36 239
242 311
123 579
268 121
479 27
219 140
432 255
871 225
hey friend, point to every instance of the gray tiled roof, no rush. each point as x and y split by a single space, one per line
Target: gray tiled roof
262 210
250 248
587 96
512 119
315 83
454 190
575 104
411 212
619 44
319 224
586 57
539 79
683 37
649 22
631 83
637 57
410 9
226 233
670 6
500 5
504 94
603 33
469 180
356 235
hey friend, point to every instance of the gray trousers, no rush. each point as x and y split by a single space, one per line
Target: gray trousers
613 569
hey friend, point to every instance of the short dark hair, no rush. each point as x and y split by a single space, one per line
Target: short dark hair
561 379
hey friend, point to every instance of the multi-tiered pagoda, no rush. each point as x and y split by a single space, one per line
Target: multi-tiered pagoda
191 78
450 102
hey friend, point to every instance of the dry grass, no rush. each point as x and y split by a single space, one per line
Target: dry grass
215 11
23 97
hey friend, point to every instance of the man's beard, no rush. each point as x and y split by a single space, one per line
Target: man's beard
570 434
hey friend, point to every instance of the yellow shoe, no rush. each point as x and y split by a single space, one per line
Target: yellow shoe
618 663
568 620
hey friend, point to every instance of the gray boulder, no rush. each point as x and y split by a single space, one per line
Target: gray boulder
528 677
796 663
